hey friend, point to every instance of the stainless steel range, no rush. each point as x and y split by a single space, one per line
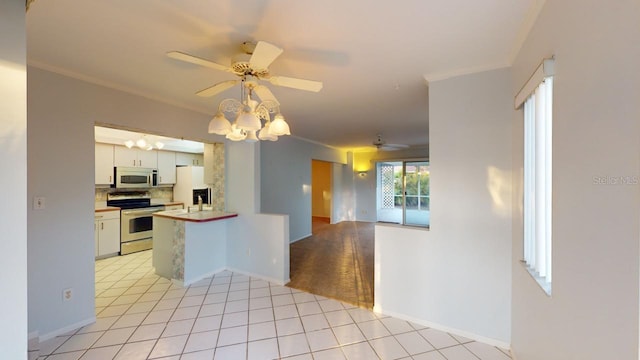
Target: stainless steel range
136 217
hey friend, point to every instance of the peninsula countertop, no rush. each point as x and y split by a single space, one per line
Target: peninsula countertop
195 216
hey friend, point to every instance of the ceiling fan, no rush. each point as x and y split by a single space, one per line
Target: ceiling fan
251 65
380 144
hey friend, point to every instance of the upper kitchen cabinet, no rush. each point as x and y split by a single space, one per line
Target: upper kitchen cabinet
166 167
123 156
189 159
104 164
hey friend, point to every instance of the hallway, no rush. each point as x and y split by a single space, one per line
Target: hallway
336 262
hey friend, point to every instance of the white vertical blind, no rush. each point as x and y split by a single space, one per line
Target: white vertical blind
537 179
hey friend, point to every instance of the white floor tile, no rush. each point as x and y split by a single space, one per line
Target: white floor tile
360 315
289 326
338 318
388 348
373 329
303 297
331 354
461 339
330 305
202 341
414 343
309 308
258 284
396 326
348 334
185 313
259 292
279 290
199 355
262 331
101 324
432 355
147 332
168 304
438 339
216 298
299 357
458 353
79 342
260 303
236 306
136 350
114 337
160 316
180 327
293 345
141 307
239 286
235 319
75 355
314 322
232 336
129 320
285 312
196 290
189 301
359 351
321 340
101 353
207 323
238 295
486 352
261 315
238 351
211 309
282 299
168 346
263 350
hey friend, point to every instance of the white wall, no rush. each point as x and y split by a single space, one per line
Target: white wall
343 208
593 310
457 276
13 157
62 112
286 180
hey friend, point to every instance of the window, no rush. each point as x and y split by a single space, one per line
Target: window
537 179
403 192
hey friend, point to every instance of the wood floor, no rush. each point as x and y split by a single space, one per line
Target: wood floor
335 262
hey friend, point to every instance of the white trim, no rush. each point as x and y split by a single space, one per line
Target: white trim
433 77
545 69
300 238
494 342
66 329
204 276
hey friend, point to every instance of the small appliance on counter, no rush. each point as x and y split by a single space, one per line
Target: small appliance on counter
136 219
189 185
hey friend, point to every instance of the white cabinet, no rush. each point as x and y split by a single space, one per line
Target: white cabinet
104 164
106 233
189 159
134 157
166 167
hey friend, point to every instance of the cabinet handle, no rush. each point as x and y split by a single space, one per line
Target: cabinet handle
101 226
139 162
110 181
134 163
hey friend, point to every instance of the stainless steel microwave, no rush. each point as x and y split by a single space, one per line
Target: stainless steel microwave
134 177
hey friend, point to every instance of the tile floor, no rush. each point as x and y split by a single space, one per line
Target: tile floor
234 316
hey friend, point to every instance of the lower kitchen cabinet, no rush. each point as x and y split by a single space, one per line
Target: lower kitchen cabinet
107 233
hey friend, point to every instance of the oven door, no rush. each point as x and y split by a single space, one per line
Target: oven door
137 224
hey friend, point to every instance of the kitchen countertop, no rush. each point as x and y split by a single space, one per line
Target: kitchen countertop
195 216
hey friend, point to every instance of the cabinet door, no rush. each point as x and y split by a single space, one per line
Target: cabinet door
109 241
184 159
104 164
148 159
95 237
166 167
198 159
123 156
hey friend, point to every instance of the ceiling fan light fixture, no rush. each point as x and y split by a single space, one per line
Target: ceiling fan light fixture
159 145
265 134
251 137
219 125
141 143
279 126
129 143
247 120
236 134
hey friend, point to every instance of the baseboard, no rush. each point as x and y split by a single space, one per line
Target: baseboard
204 276
66 329
261 277
33 341
468 335
300 238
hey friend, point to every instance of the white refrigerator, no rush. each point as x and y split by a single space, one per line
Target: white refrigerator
189 178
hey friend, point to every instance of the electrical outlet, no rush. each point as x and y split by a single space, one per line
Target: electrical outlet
67 294
38 203
248 251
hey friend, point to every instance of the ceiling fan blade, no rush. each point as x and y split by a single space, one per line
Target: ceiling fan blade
198 61
265 94
396 146
217 88
263 55
300 84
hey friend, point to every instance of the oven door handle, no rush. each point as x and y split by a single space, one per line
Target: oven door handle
140 212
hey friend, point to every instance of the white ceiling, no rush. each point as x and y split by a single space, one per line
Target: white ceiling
372 56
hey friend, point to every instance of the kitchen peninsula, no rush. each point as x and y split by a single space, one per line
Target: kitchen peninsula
189 245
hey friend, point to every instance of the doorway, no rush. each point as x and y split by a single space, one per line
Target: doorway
402 194
321 194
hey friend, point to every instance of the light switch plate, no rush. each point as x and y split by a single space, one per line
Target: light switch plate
38 203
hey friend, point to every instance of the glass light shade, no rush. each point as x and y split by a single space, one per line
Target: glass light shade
251 137
159 145
129 143
264 134
149 147
219 125
141 143
236 134
278 126
247 120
